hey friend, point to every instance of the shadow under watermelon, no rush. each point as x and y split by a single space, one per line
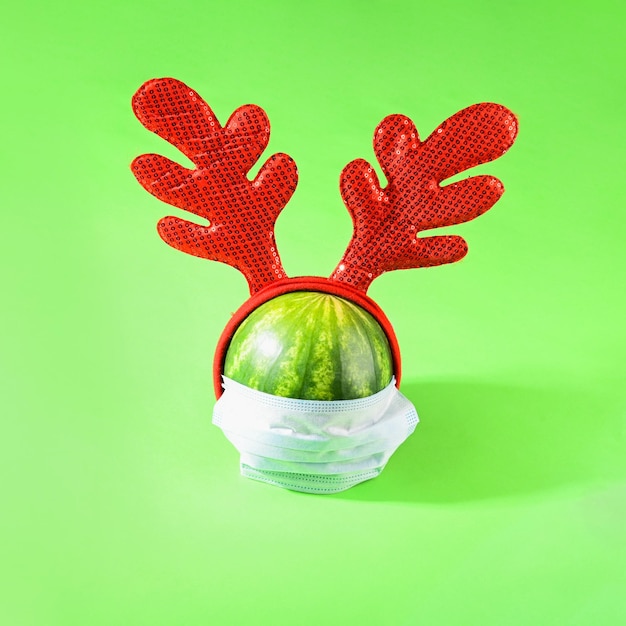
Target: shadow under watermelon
478 440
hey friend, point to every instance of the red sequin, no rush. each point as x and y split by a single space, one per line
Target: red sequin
241 212
387 220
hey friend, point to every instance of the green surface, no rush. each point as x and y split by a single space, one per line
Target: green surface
312 346
122 504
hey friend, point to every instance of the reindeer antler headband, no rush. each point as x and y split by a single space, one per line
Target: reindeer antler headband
242 212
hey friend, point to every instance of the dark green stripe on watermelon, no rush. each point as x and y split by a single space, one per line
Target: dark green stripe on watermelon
312 346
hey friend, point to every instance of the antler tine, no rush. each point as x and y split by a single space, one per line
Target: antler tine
387 220
241 213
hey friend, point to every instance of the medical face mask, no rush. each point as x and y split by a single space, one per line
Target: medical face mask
313 446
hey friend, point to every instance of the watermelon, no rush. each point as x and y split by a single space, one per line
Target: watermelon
310 345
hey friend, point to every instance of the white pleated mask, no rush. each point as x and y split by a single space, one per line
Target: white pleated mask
309 445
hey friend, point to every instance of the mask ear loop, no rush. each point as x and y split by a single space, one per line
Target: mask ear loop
303 283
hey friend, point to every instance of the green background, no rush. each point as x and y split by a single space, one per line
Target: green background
122 504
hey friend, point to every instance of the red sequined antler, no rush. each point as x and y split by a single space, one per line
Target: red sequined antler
241 212
387 221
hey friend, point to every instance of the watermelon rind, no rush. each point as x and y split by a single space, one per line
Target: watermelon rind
312 346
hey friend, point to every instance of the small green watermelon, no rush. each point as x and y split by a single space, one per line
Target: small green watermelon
310 345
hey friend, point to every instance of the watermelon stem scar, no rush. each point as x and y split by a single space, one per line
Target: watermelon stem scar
387 220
